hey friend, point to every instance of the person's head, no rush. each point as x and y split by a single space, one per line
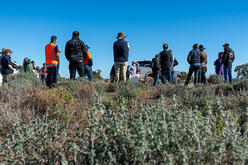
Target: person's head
201 48
8 52
134 63
195 46
165 46
3 51
33 63
75 34
156 56
87 47
53 39
226 45
37 68
220 55
44 65
121 36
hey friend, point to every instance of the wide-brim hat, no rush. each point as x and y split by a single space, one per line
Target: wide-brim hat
8 50
121 35
3 50
201 47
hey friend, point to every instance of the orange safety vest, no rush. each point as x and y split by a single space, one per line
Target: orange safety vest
51 56
88 57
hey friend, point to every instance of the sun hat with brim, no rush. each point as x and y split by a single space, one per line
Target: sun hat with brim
3 50
201 47
121 36
8 50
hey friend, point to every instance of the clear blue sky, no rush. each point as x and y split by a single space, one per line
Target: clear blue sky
26 27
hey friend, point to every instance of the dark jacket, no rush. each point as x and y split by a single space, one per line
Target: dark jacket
166 59
195 57
75 50
228 57
5 61
219 66
121 51
155 65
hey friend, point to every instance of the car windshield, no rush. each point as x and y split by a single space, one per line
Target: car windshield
144 63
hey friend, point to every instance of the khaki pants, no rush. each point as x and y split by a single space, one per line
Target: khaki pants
120 71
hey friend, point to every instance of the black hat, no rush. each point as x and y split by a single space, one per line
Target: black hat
201 47
226 44
87 47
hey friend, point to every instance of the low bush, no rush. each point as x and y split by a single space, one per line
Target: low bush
241 84
131 90
224 90
214 79
154 135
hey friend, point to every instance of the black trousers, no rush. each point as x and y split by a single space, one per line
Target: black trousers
51 76
193 69
76 66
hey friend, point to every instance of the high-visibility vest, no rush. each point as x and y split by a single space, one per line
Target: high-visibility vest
88 57
51 56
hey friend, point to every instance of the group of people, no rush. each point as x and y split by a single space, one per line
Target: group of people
164 63
76 52
80 60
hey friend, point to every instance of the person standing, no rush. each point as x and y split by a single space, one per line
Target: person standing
156 69
52 57
43 73
219 66
121 54
166 60
228 58
75 53
174 63
6 64
88 65
195 58
202 73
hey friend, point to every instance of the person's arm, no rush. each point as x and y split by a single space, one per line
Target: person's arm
233 56
206 59
128 46
175 62
189 58
67 51
224 57
57 51
216 62
84 50
11 67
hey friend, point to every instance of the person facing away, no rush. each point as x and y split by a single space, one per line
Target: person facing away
228 58
52 57
195 58
75 53
6 63
219 66
121 54
26 64
88 65
33 65
166 60
43 73
202 73
174 63
156 69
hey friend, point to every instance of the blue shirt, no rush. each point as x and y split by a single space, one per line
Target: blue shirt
5 61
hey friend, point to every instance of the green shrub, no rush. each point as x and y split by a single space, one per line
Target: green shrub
214 79
240 84
131 90
224 89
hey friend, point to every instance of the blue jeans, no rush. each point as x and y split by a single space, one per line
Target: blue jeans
228 74
88 72
166 74
202 76
51 76
172 77
156 79
57 72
